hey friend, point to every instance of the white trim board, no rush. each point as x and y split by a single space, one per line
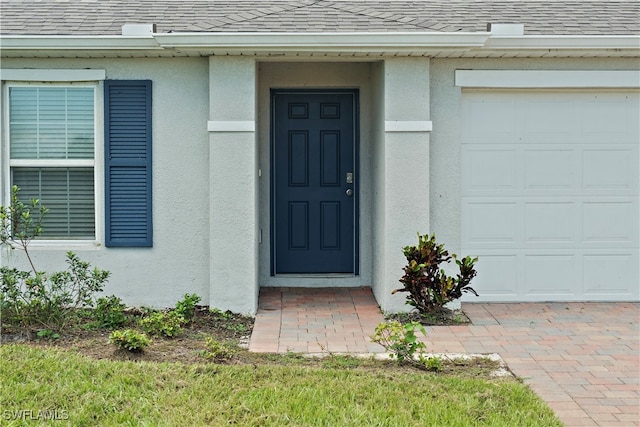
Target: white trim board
231 126
408 126
51 75
524 79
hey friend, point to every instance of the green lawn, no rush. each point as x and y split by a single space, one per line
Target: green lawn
86 392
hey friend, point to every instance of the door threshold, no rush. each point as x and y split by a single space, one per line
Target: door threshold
315 275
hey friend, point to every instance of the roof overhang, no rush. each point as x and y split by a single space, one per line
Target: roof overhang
476 44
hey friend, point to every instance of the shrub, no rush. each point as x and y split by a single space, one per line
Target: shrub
217 351
129 340
35 300
38 301
400 340
167 323
187 305
428 286
109 312
403 344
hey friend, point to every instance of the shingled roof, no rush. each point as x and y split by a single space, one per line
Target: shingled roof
106 17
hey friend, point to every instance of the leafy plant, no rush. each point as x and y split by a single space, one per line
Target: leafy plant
48 334
20 223
217 351
237 327
129 339
40 301
401 340
187 305
402 343
432 363
222 315
429 287
109 312
34 299
167 323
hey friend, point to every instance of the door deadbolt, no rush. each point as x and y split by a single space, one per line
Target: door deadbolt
349 177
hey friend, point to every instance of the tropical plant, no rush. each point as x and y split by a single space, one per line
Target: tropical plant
428 286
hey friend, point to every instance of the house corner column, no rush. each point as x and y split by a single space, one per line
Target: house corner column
407 128
233 190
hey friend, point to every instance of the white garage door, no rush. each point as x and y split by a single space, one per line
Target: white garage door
550 188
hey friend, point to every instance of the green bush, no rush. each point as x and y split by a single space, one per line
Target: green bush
129 340
217 351
187 305
167 323
428 286
403 344
39 301
400 340
109 312
35 300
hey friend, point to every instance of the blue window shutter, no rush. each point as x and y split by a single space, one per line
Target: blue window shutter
127 109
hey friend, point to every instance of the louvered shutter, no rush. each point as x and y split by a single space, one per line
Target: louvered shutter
127 109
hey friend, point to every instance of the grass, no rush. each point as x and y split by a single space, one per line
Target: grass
83 391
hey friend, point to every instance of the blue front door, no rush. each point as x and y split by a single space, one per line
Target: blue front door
314 192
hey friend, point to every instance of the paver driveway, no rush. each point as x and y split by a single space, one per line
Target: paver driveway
583 359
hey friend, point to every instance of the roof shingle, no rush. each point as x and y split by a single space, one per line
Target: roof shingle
106 17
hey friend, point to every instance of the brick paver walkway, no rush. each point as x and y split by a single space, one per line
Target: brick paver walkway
583 359
303 320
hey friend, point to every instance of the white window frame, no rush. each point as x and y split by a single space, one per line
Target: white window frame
97 163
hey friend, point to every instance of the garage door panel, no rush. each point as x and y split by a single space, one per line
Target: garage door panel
609 275
491 224
550 275
551 224
497 276
490 121
547 119
490 170
610 222
550 194
607 169
551 169
610 118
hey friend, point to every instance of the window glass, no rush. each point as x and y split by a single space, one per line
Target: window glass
51 139
51 123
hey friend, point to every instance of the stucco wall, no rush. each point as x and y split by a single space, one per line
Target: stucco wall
233 186
404 151
177 263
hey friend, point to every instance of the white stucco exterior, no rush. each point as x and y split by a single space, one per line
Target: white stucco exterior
157 276
211 160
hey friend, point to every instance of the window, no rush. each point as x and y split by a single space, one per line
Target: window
82 149
52 155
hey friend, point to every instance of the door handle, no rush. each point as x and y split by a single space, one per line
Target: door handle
349 192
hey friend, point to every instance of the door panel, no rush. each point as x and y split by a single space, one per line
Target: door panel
314 204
